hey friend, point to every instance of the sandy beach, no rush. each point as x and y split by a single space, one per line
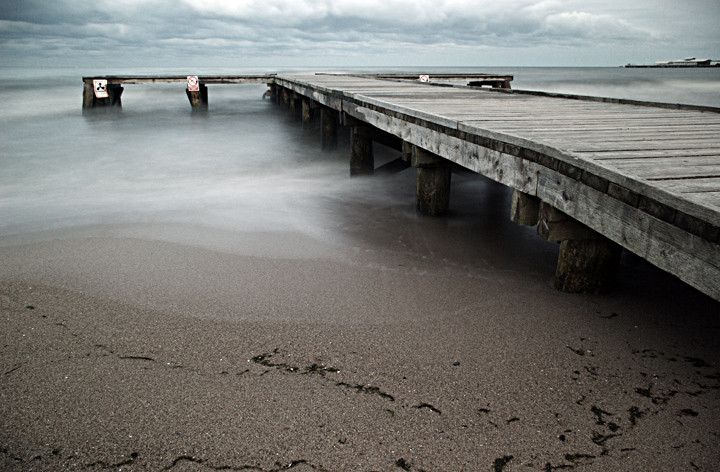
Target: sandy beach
124 350
189 292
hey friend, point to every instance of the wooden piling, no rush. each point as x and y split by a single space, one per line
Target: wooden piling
294 105
407 148
271 93
90 100
285 95
524 208
309 111
198 99
362 159
328 127
88 96
433 182
588 261
587 266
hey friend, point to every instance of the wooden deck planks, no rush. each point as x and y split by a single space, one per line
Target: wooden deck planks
644 154
710 184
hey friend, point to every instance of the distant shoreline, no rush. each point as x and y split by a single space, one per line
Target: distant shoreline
690 62
668 66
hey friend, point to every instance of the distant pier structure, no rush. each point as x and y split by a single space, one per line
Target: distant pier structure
596 175
106 91
687 62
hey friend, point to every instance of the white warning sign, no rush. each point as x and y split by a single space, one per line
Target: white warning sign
424 78
100 86
193 83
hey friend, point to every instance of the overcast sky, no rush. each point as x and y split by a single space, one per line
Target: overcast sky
332 33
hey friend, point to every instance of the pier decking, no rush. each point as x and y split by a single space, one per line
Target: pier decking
595 175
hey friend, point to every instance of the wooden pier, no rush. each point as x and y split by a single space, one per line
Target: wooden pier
113 86
596 175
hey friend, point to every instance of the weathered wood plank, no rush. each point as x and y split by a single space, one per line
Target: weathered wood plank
708 134
612 146
708 184
710 198
675 172
644 154
659 162
182 79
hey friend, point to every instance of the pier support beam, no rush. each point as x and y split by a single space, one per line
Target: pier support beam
199 99
362 159
91 101
588 261
329 128
524 208
433 182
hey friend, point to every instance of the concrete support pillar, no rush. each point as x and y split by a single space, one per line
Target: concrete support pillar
588 261
328 126
433 182
91 101
198 99
362 159
524 208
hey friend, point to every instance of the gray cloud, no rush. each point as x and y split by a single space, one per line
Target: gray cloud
80 31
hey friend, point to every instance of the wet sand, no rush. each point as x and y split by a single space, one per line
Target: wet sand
121 352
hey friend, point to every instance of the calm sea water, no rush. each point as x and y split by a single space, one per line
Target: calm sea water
245 166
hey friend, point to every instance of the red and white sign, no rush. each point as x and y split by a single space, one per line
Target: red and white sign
100 86
193 83
424 78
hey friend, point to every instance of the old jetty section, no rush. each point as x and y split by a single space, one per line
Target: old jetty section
596 175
